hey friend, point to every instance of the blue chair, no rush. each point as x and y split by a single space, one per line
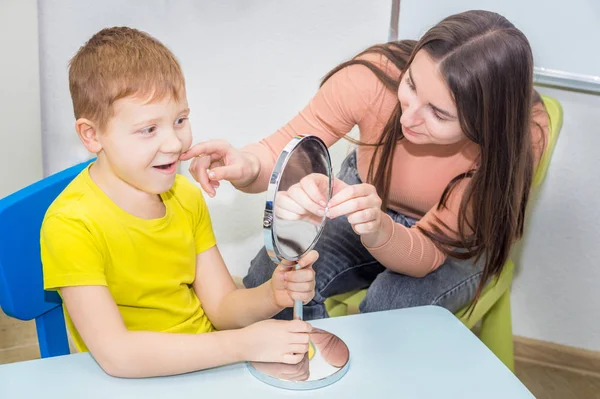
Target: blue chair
22 294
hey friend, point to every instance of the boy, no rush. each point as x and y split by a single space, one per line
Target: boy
129 243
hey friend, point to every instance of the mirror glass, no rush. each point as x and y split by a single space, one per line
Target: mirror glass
301 198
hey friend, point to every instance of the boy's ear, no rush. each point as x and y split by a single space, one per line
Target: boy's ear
88 134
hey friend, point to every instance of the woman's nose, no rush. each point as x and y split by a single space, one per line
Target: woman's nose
411 116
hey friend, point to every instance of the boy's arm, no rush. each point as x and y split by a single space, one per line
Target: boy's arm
73 263
136 354
125 353
228 307
213 284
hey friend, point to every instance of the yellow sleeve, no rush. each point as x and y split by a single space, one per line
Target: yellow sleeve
204 234
192 200
70 254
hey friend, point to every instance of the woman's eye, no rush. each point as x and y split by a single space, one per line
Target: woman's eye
437 116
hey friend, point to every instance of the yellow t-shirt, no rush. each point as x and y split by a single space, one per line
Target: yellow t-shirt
147 265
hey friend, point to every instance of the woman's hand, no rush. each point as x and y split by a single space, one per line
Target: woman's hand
305 200
287 208
217 160
362 205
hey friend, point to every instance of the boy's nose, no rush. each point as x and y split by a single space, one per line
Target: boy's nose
172 144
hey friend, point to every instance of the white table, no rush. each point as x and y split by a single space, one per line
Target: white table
410 353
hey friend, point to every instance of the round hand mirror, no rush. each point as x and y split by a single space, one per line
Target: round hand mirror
295 214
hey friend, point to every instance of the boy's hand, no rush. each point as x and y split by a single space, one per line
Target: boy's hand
289 284
278 341
288 372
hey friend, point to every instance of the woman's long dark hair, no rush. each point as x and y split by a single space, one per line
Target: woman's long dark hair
488 66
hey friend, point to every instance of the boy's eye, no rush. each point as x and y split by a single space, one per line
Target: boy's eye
148 130
181 121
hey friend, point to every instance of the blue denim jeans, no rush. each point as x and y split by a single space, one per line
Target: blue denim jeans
345 265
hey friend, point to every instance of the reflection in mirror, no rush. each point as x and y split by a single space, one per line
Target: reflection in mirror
325 363
301 200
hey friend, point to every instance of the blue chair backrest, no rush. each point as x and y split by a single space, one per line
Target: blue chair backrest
22 294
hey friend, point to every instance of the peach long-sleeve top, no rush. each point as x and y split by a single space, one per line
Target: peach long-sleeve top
420 173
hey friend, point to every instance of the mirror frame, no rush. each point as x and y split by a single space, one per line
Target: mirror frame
270 238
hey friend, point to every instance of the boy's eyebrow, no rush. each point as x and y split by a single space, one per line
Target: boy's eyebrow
157 120
147 122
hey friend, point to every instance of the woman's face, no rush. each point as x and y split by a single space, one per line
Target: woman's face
429 114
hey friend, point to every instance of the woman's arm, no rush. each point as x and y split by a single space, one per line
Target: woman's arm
404 250
340 104
336 108
409 250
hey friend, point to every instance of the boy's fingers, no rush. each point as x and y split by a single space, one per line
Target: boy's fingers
298 290
290 358
304 297
300 326
300 276
309 258
299 348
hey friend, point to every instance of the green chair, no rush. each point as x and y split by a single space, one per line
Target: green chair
493 307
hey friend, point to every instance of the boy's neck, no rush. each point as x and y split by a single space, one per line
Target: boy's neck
132 200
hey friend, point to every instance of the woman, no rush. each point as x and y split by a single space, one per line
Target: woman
427 208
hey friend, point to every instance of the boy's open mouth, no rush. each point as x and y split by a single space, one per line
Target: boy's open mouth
165 166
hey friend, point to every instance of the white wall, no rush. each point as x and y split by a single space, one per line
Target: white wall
561 33
20 136
555 296
250 67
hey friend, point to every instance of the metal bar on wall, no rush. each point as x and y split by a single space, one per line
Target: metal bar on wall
552 77
394 21
568 80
